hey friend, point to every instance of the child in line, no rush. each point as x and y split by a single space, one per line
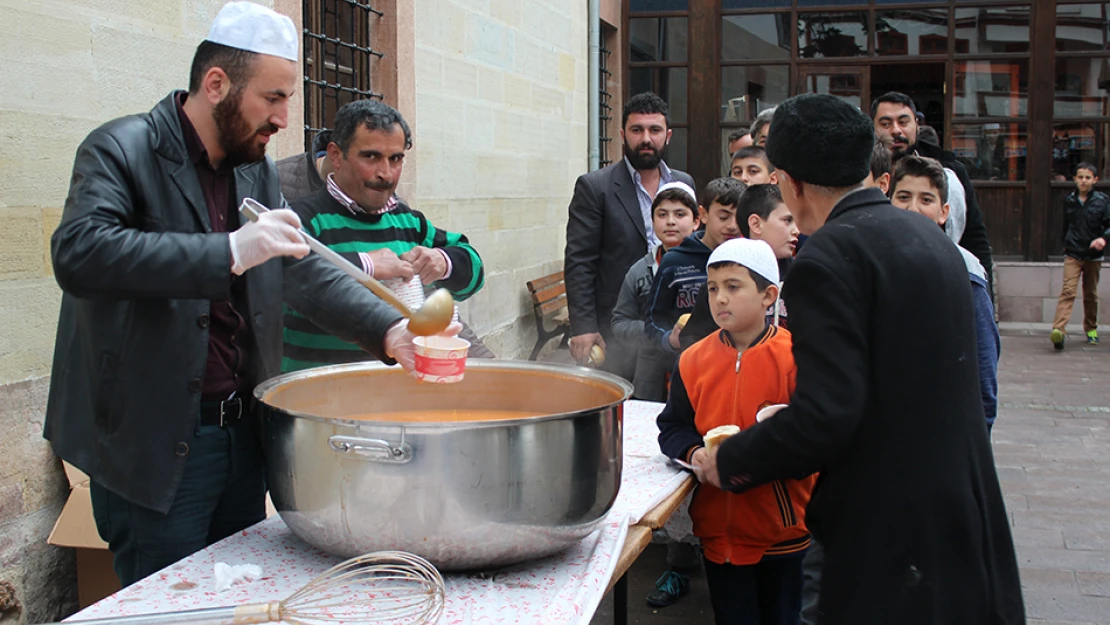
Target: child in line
1086 230
750 166
762 216
674 216
754 541
882 164
920 185
682 270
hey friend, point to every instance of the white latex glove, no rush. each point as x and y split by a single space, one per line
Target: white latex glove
398 342
274 234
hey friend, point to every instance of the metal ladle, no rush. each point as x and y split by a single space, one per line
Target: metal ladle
431 318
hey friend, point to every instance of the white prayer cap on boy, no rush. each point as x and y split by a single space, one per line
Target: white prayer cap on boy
255 28
756 255
681 186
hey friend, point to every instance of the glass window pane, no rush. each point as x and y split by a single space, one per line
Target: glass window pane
920 31
753 4
823 35
1081 87
848 87
991 89
746 37
1082 27
1075 143
827 3
991 151
992 29
658 5
747 90
658 39
675 155
668 82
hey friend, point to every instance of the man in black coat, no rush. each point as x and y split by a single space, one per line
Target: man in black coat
171 306
609 229
895 114
886 408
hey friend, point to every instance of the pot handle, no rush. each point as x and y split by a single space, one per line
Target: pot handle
374 449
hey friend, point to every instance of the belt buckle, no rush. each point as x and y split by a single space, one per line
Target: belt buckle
239 413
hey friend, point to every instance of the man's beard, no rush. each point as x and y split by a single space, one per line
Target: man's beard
899 150
237 138
642 162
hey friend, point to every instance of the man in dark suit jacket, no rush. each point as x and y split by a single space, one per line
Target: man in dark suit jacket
609 228
887 405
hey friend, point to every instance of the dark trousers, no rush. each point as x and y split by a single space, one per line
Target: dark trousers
812 565
222 491
766 593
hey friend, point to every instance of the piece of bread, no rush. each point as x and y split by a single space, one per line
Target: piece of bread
714 437
597 355
682 321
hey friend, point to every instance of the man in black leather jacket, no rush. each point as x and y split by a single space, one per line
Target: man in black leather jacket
171 311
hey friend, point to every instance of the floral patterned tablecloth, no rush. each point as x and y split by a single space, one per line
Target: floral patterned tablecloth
564 588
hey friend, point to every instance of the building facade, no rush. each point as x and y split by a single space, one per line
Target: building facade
495 92
1017 89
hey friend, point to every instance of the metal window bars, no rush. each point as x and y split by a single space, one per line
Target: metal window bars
605 110
338 59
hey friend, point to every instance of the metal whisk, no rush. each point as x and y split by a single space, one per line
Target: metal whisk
380 587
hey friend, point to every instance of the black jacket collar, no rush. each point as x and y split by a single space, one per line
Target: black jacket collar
858 199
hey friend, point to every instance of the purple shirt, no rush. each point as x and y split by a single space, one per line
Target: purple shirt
227 332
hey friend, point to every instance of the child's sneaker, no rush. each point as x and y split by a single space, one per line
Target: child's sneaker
1092 337
1057 337
668 589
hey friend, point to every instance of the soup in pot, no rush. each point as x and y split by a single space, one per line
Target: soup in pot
443 416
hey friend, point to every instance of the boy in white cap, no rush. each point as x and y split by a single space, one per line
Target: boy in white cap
754 542
674 216
172 303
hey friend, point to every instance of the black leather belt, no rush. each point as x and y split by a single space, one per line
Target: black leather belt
222 413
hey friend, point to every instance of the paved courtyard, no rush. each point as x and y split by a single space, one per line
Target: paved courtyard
1052 449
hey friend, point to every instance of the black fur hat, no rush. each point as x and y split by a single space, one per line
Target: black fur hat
822 140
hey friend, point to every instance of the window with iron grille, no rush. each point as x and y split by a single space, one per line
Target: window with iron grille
605 111
338 59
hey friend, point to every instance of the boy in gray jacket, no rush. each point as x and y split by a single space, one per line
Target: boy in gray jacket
674 216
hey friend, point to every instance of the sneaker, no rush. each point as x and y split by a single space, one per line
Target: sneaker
1057 337
1092 337
669 588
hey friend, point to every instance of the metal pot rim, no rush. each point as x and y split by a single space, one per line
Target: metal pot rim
578 372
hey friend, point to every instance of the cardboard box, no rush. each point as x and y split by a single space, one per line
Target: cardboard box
76 528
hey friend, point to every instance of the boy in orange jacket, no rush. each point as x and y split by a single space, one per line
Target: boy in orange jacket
754 542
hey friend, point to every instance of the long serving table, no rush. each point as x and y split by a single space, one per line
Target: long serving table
563 588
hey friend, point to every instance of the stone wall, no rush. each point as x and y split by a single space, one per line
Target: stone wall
69 65
500 136
1028 292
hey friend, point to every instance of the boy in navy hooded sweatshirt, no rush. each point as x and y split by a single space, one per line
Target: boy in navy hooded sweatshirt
682 272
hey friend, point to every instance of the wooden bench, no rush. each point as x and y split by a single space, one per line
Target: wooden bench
549 300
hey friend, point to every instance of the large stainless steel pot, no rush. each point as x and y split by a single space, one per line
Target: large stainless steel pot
464 495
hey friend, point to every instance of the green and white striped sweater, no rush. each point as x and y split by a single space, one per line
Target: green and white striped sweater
400 230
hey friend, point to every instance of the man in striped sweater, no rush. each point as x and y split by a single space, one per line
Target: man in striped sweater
358 215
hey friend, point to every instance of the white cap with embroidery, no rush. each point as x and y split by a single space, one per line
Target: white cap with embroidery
756 255
255 28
